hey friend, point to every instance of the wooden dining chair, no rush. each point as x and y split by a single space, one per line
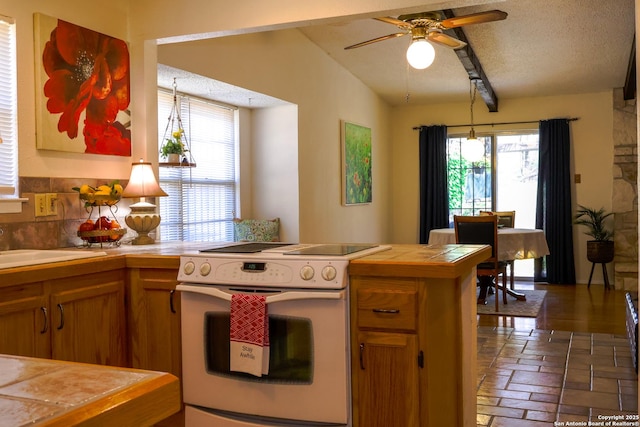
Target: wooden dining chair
483 230
505 219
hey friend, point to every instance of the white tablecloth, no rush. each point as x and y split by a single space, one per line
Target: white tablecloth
513 243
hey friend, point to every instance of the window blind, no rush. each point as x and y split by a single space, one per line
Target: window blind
202 199
8 97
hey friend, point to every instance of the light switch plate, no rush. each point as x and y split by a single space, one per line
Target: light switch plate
40 204
52 203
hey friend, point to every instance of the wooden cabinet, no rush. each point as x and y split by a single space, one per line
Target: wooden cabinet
154 324
388 368
414 336
88 319
385 353
78 318
154 320
24 321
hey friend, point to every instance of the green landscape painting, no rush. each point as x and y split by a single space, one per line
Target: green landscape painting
356 164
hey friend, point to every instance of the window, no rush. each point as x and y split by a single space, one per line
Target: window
202 199
470 181
8 114
504 179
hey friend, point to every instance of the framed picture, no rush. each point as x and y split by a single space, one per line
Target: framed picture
82 89
356 164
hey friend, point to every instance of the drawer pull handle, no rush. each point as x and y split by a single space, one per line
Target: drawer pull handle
386 311
171 307
362 356
46 322
61 325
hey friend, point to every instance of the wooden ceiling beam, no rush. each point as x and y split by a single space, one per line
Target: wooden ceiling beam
629 91
472 65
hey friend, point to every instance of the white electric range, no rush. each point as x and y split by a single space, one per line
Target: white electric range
308 382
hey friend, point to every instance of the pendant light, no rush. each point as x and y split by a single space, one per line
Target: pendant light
420 53
473 148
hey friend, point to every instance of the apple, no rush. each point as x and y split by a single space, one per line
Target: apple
115 225
86 226
102 223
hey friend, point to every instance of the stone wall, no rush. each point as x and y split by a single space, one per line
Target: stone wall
625 192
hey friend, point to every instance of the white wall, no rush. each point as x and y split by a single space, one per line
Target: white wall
592 153
275 168
286 65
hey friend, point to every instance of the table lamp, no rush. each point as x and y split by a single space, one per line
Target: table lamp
143 217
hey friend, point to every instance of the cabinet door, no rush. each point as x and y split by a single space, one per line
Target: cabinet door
154 315
24 322
88 319
388 387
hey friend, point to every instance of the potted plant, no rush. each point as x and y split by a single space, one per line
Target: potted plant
173 147
600 249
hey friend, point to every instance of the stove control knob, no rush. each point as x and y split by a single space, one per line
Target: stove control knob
189 268
329 273
306 272
205 269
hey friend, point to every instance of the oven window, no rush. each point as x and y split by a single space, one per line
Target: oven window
290 349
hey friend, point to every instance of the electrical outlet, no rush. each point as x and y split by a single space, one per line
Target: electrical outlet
52 203
40 204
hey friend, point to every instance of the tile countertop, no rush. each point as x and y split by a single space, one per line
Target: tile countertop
41 392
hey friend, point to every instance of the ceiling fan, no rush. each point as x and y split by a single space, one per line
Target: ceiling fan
430 26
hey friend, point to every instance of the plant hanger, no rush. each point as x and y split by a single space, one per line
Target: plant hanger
174 125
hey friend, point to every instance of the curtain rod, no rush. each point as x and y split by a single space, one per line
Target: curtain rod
497 124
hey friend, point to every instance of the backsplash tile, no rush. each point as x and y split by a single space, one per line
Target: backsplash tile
26 231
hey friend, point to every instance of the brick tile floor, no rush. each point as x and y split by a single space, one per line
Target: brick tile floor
536 377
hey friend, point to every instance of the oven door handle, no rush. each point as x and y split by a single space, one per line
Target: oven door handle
284 296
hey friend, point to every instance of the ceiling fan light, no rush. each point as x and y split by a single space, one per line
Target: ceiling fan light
420 54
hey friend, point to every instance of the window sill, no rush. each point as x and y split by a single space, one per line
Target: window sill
12 205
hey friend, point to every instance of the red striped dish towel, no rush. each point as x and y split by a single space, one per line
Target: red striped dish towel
249 335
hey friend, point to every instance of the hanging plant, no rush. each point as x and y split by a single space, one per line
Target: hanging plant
173 145
175 138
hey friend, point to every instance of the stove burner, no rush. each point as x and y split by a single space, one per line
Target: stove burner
337 249
246 248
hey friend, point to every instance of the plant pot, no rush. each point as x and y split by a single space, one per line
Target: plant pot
600 251
173 158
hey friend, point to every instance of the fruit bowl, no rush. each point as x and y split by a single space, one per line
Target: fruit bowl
92 199
102 236
103 195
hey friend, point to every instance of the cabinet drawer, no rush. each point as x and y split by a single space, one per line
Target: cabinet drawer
387 309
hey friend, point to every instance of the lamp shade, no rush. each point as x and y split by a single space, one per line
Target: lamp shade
473 148
142 182
420 54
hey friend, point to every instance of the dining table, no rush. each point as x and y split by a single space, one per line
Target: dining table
513 244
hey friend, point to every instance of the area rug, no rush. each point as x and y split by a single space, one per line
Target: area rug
528 308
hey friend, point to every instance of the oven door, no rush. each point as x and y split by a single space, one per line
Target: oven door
308 376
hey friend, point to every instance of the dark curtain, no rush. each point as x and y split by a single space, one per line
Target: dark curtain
553 211
434 198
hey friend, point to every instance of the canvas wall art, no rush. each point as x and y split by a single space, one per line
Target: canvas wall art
82 89
356 164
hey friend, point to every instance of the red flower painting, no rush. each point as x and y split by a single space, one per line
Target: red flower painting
88 72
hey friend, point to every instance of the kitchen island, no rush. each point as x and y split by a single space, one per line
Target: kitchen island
413 336
40 392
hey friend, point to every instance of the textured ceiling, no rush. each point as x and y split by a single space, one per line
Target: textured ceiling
544 47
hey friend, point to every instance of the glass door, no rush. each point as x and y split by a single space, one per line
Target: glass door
517 183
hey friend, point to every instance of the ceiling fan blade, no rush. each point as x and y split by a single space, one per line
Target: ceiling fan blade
474 18
378 39
445 40
394 21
